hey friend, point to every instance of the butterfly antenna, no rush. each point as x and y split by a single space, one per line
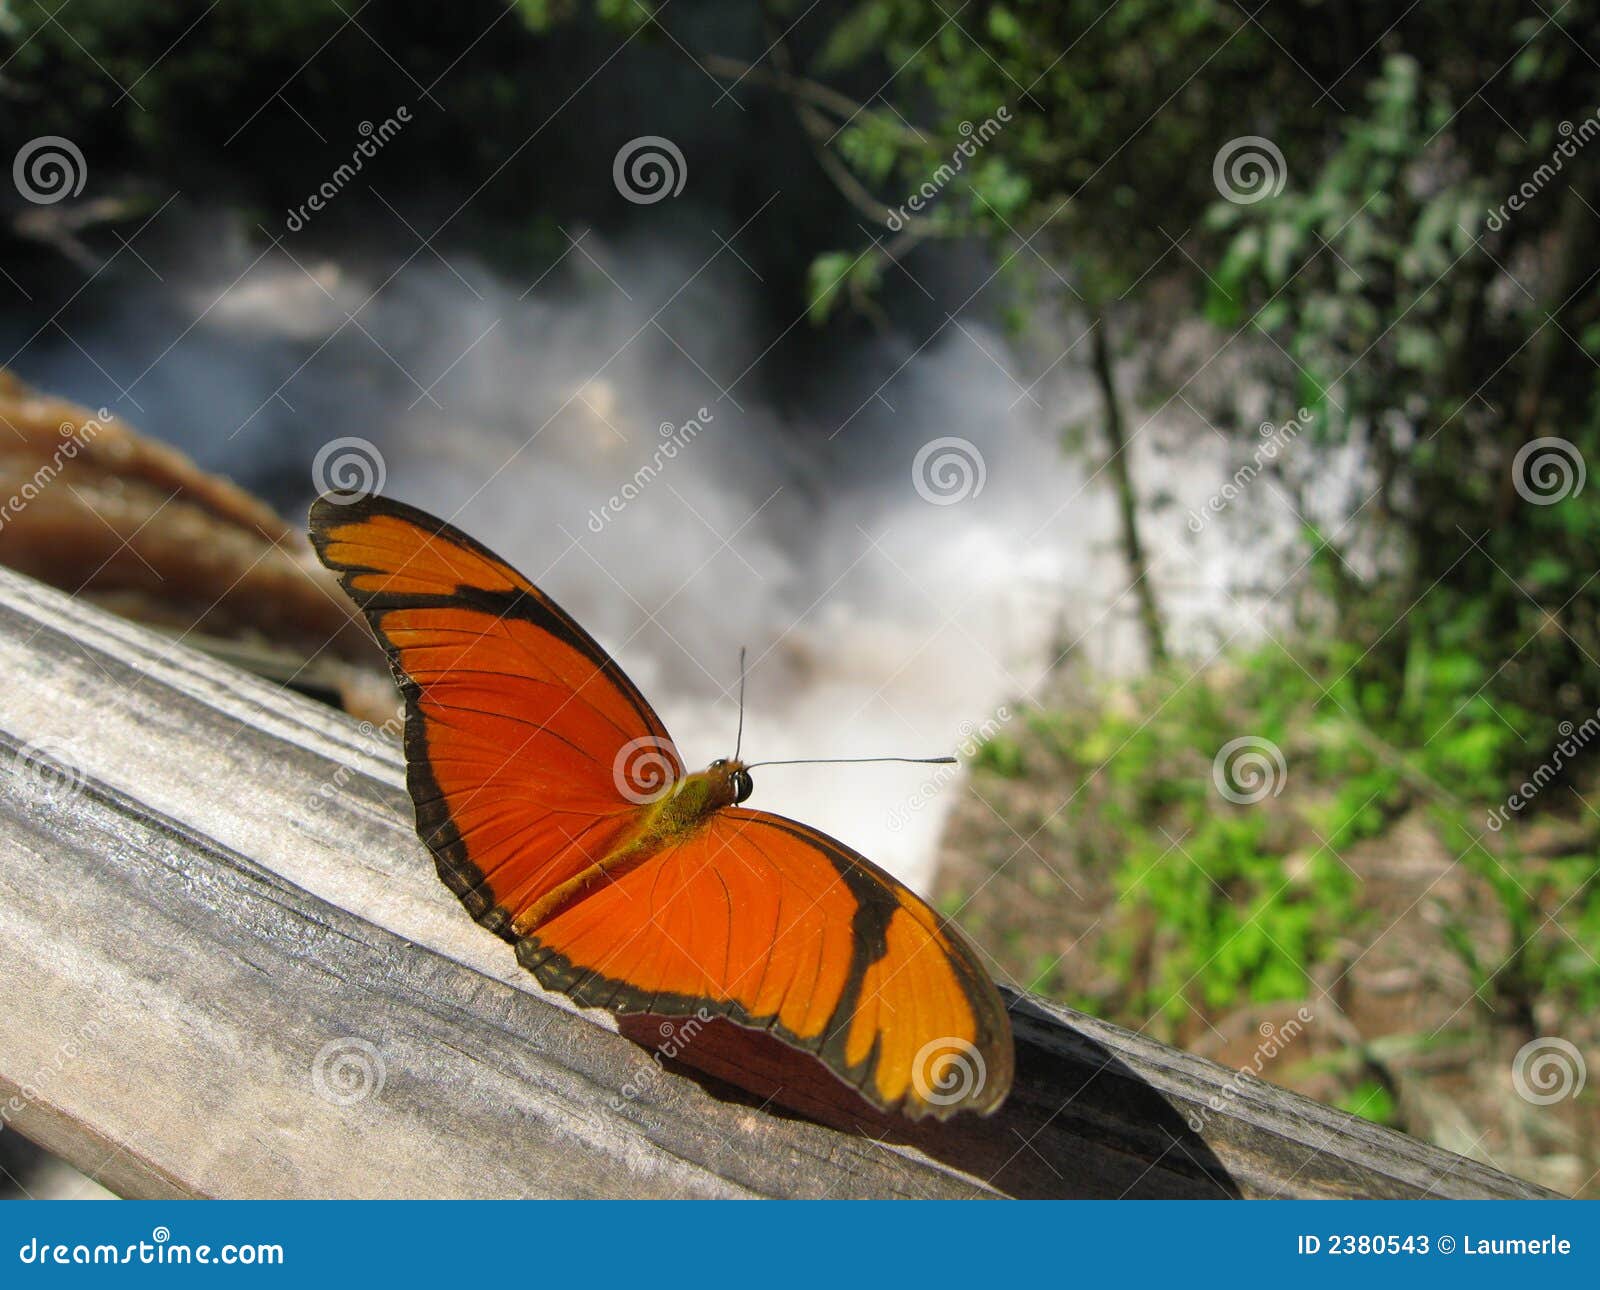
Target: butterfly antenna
738 741
838 761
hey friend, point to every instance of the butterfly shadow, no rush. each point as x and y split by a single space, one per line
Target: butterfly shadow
1079 1121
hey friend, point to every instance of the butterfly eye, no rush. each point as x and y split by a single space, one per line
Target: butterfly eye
743 785
720 761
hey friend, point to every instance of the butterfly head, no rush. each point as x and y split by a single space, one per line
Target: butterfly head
731 779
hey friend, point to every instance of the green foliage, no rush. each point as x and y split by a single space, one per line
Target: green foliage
836 274
1237 911
1416 311
1372 1101
1001 755
1077 116
251 100
1549 910
1386 288
1219 902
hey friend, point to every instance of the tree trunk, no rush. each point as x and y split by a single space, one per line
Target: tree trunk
1127 500
1573 243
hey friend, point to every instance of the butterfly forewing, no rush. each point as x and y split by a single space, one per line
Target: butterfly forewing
515 718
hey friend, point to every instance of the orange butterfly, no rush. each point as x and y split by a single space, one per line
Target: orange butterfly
559 811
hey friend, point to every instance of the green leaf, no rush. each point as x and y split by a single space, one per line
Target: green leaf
824 281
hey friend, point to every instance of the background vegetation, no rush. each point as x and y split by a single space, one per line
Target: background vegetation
1441 639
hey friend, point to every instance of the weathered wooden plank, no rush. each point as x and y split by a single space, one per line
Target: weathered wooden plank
213 908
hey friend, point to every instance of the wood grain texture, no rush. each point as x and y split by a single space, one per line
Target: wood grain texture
215 917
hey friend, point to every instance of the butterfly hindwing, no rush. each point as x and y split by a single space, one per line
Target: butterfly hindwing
779 927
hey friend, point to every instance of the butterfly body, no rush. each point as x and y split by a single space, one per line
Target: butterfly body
559 811
683 807
690 800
